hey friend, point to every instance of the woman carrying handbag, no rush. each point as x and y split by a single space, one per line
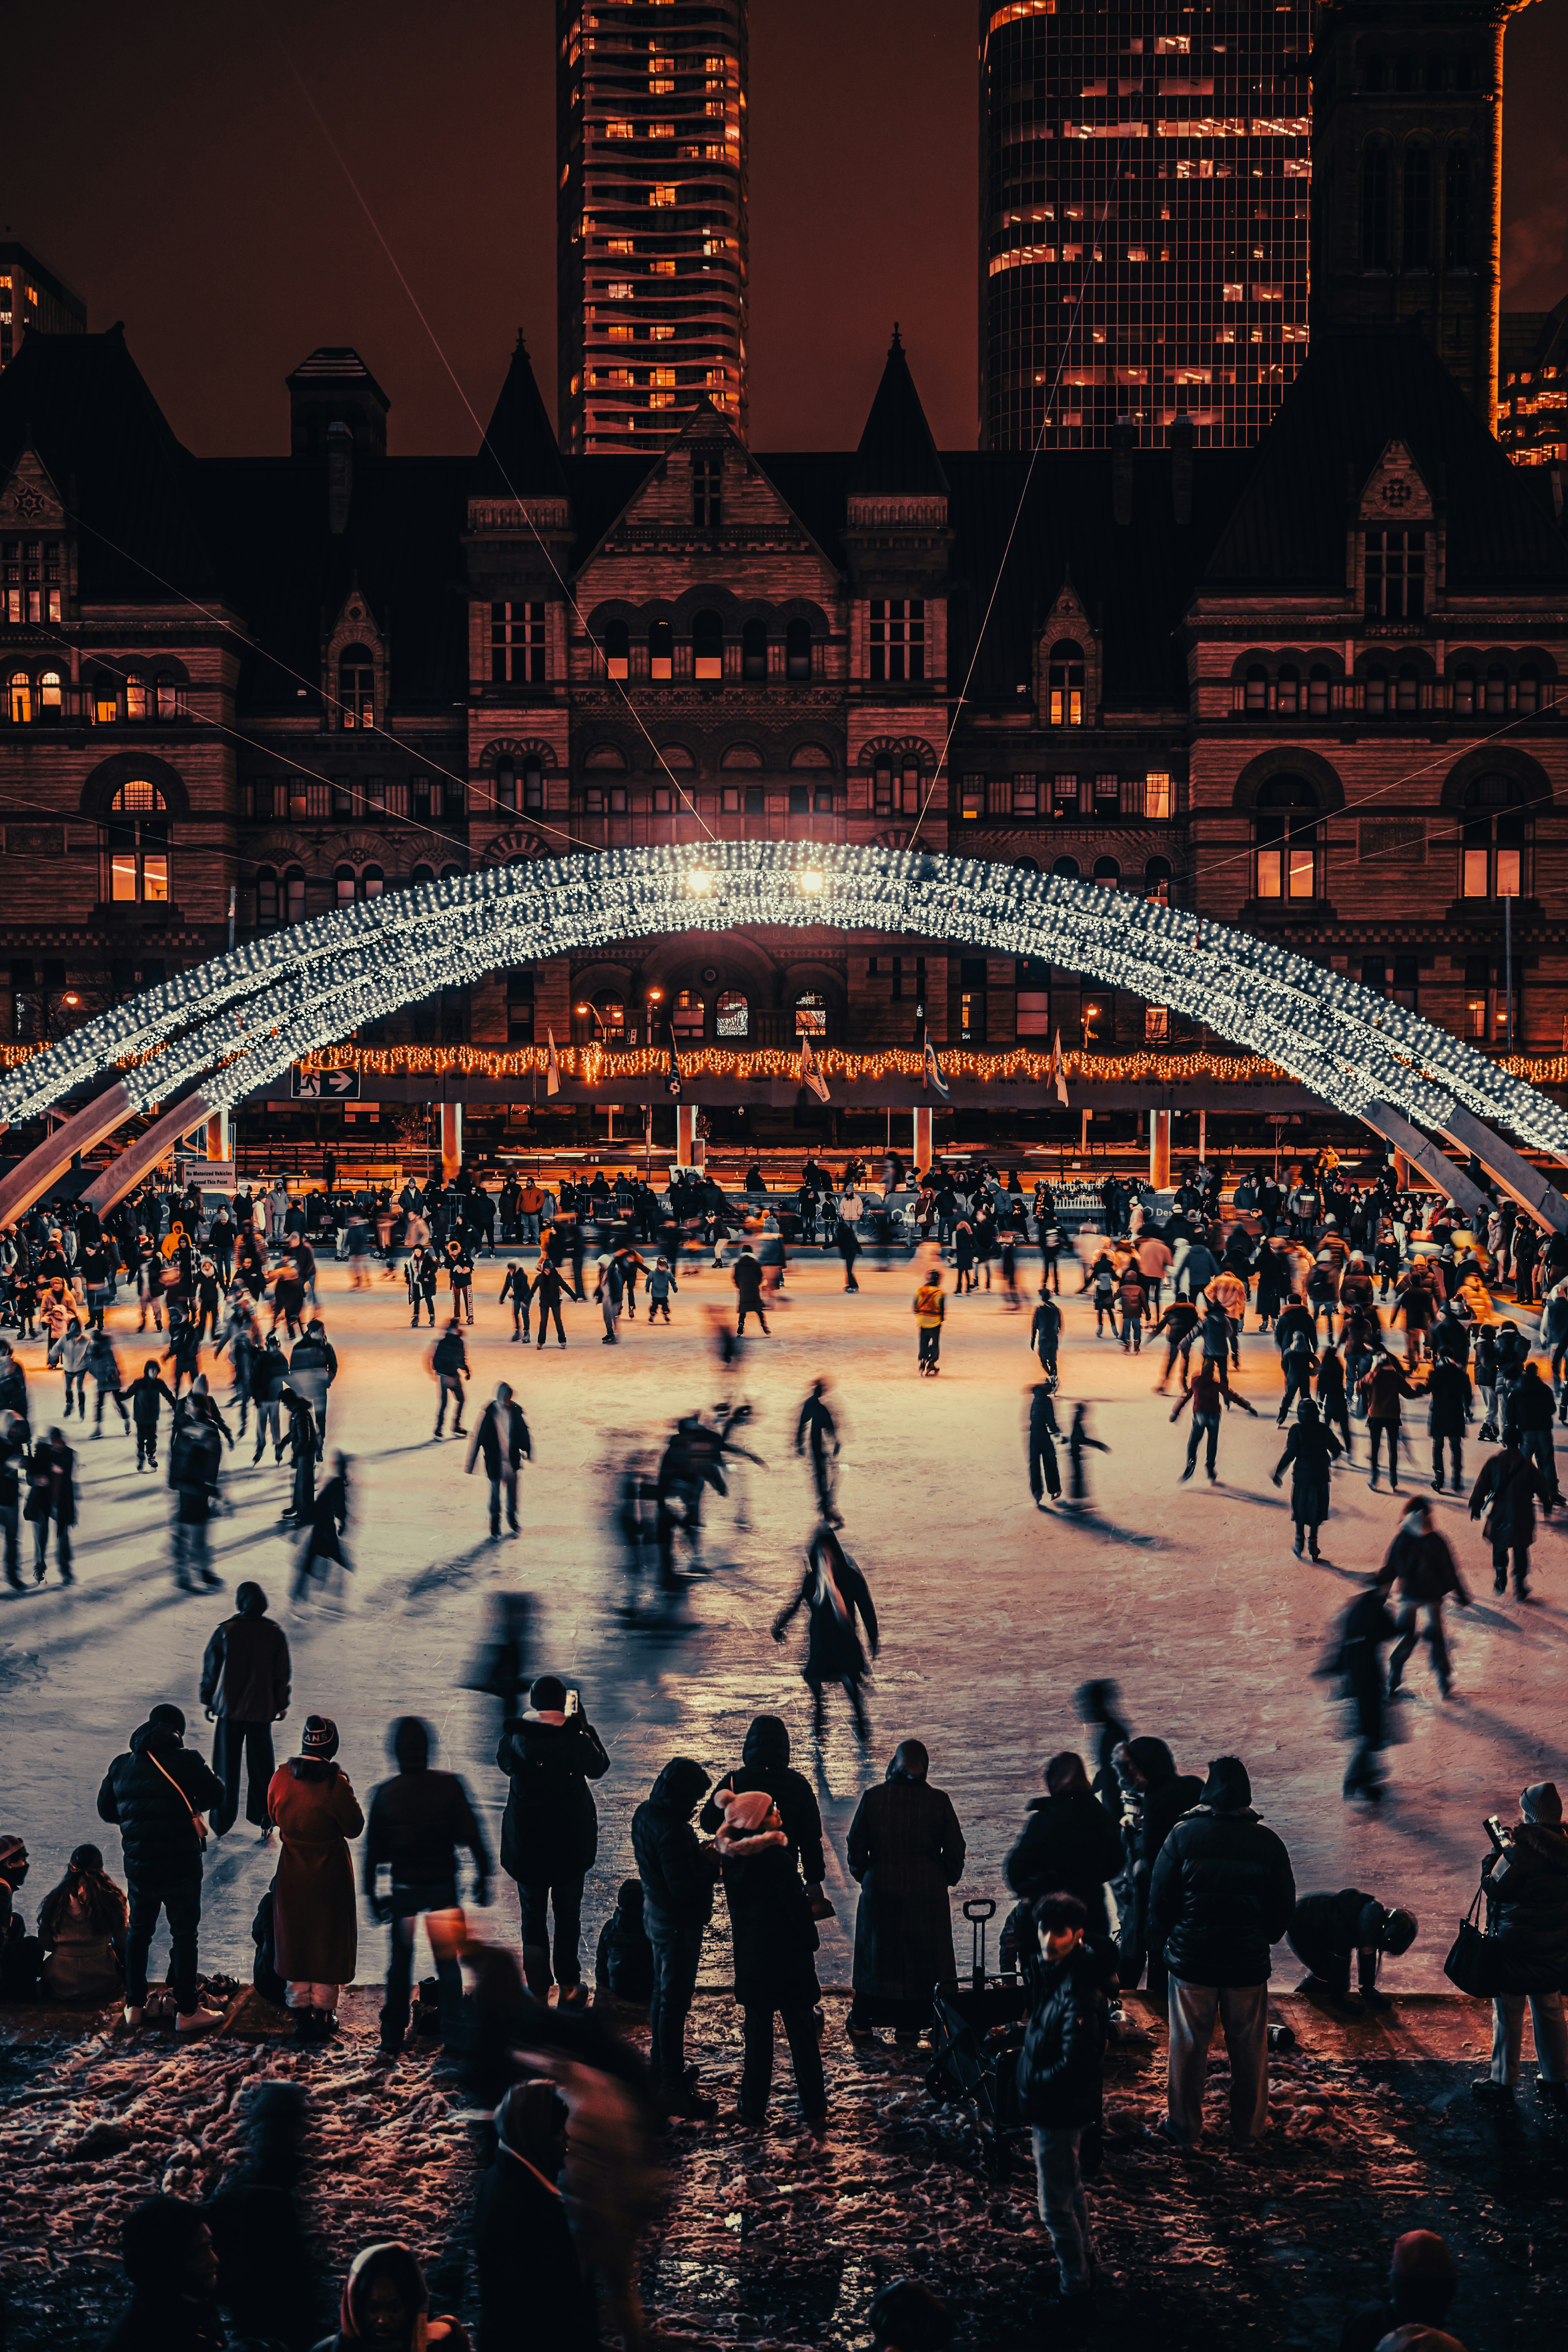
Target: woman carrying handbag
1522 1958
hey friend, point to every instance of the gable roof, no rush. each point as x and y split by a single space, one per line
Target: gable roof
129 485
897 455
518 457
1356 393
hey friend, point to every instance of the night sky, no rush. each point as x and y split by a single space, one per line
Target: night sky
165 162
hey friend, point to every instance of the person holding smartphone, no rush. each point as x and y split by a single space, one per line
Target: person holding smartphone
549 1835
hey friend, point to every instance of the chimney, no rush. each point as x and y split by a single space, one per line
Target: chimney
1123 439
1181 468
339 477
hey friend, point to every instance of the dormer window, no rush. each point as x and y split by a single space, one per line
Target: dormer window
706 491
356 687
1395 576
1066 705
31 585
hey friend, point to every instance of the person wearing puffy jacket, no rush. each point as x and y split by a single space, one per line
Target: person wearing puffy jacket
677 1875
1527 1929
1222 1894
1059 2078
550 1833
156 1793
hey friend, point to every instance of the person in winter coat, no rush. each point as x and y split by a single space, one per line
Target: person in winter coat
835 1593
1527 1931
1308 1449
1327 1930
523 2247
196 1452
1044 1437
1448 1394
313 1369
520 1290
1070 1846
449 1366
156 1793
1222 1894
170 2266
748 1281
81 1929
418 1824
386 2305
764 1764
774 1941
104 1365
51 1503
905 1851
1507 1490
1209 1393
1059 2069
1528 1413
623 1958
678 1874
1421 1564
1154 1797
315 1919
149 1392
245 1689
1356 1663
1382 1387
549 1834
501 1435
930 1308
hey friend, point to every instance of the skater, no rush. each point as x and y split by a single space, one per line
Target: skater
520 1290
418 1824
748 1281
847 1243
1298 1355
1356 1660
930 1308
1180 1322
1103 1274
246 1680
1511 1487
74 1349
835 1593
816 1423
104 1365
1382 1387
195 1452
1309 1450
51 1503
460 1268
269 1379
315 1916
1045 1478
421 1274
547 1289
1421 1564
1046 1332
1209 1393
449 1366
661 1283
1132 1299
1448 1395
609 1289
1079 1441
326 1517
149 1392
501 1435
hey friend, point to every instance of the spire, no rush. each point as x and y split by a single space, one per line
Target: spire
519 456
897 455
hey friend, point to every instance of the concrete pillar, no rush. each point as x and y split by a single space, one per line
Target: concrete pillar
1160 1150
921 1143
451 1140
1083 1134
217 1136
689 1145
1202 1135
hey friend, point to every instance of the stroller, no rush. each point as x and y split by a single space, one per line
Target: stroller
977 2031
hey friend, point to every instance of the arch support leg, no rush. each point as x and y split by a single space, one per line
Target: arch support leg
124 1175
1531 1190
1384 1121
32 1177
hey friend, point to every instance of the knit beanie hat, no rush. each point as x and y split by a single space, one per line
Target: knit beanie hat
1541 1802
320 1739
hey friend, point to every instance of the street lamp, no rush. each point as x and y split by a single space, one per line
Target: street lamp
1090 1014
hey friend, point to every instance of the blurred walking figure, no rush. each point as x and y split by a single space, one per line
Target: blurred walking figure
501 1435
195 1451
835 1593
817 1426
328 1517
418 1823
930 1308
104 1365
1421 1564
314 1914
1355 1661
523 2247
245 1689
1079 1442
449 1366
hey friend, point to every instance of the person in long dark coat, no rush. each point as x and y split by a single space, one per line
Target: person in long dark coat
764 1764
529 2277
1356 1660
774 1939
1511 1485
1308 1449
1070 1845
906 1849
550 1832
834 1593
315 1914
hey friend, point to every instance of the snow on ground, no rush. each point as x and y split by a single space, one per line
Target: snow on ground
992 1613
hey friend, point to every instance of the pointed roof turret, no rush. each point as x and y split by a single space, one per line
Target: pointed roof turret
897 456
520 455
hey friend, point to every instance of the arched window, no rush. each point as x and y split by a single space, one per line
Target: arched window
1288 692
1256 687
506 784
19 698
1107 873
1416 230
135 695
797 649
1066 685
1157 881
732 1014
294 894
532 784
1375 176
1318 691
168 698
688 1015
810 1014
423 874
1375 693
708 645
1285 830
137 841
1463 692
1527 694
660 652
356 687
1497 690
1456 207
1407 687
754 649
1496 837
51 695
343 880
1066 869
266 898
617 648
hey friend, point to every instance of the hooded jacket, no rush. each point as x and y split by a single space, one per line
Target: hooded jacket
1527 1901
1064 2044
157 1836
1071 1845
551 1828
774 1937
1223 1890
246 1670
1166 1796
418 1821
530 2274
678 1872
764 1764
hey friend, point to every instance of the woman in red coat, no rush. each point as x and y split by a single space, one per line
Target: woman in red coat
314 1909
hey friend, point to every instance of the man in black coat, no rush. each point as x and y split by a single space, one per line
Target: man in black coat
1327 1930
417 1823
1059 2079
157 1792
1155 1795
549 1834
1070 1845
501 1435
1222 1894
529 2277
764 1764
244 1688
1421 1564
679 1874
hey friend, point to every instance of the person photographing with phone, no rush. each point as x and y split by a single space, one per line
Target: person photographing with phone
1525 1878
549 1835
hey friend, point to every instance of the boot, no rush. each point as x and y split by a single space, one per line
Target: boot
536 1970
306 2029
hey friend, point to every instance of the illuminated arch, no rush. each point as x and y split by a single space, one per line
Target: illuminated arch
245 1017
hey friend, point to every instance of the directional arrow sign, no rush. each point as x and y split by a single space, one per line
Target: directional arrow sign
323 1086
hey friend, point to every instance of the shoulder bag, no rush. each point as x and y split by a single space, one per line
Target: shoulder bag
1475 1964
197 1823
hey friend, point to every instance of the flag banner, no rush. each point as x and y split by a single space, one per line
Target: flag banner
672 1081
551 1067
1059 1072
810 1075
931 1075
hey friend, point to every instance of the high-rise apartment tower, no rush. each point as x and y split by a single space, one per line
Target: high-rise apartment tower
1145 186
33 299
651 219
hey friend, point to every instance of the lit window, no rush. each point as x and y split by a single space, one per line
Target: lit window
1026 796
732 1014
617 648
897 626
1158 795
662 194
137 841
1285 834
168 696
1287 692
135 695
356 687
19 698
1066 685
1496 831
708 646
51 695
30 587
971 798
1157 881
660 652
518 656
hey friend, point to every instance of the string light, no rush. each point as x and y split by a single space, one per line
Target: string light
1006 1067
281 997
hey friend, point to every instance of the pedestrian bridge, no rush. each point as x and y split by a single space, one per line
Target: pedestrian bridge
214 1034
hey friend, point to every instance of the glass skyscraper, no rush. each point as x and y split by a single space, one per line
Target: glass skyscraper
651 219
1146 191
